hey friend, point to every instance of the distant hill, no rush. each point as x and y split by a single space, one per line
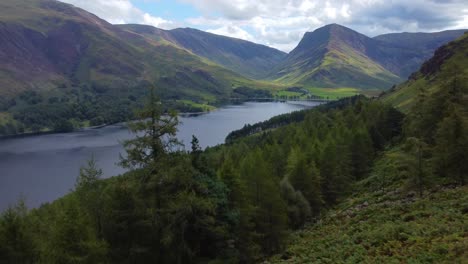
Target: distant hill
448 62
244 57
336 56
45 44
423 45
60 64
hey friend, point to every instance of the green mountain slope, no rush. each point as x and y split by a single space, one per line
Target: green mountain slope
448 64
47 43
387 227
244 57
61 63
423 45
336 56
412 207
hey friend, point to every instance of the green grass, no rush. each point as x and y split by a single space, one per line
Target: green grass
404 95
205 106
341 67
288 94
385 221
334 93
394 227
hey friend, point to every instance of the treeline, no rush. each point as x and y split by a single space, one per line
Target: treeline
230 204
436 135
70 108
286 119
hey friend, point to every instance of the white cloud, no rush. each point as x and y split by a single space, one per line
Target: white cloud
282 23
232 31
121 12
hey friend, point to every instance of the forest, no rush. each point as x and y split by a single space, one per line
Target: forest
239 202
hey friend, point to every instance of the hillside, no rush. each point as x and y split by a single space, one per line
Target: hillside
48 43
61 64
335 56
412 207
449 64
390 226
244 57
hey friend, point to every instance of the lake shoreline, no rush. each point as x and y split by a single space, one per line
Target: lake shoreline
81 129
45 166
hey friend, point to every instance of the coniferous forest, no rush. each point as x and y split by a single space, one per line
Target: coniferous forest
241 201
372 175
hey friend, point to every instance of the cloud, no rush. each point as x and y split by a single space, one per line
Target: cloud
232 31
121 12
281 23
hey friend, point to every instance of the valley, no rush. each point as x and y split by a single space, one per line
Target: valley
96 73
125 143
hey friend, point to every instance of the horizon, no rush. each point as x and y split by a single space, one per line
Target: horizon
282 24
404 32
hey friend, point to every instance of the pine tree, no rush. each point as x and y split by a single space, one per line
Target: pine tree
362 152
16 242
155 137
268 214
419 173
451 150
305 177
299 211
89 189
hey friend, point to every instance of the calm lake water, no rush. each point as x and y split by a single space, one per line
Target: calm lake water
44 168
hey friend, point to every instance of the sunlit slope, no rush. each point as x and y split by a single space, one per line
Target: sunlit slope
46 44
244 57
335 56
449 62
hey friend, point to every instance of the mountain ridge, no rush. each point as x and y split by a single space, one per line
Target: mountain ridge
448 63
247 58
330 50
336 56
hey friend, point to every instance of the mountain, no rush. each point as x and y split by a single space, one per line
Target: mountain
46 43
448 64
55 57
336 56
424 45
382 221
244 57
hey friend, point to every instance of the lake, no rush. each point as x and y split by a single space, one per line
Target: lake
43 168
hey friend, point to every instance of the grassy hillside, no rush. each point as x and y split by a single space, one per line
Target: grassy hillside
60 64
448 65
335 56
244 57
387 226
412 207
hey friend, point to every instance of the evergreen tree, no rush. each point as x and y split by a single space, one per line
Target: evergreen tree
451 149
362 152
269 213
305 177
16 242
155 137
298 207
419 173
89 189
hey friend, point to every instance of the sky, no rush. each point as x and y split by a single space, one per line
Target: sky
282 23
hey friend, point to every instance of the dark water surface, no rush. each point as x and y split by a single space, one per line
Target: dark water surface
43 168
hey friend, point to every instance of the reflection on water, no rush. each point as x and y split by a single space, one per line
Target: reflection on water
43 168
